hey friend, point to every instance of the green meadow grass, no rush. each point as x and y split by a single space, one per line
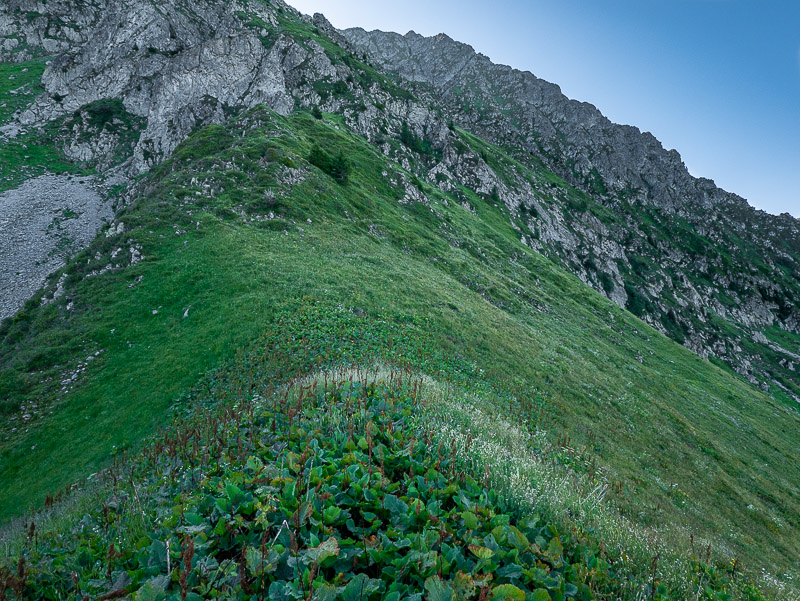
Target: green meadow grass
677 442
20 83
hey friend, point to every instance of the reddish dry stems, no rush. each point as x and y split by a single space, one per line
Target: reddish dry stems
244 579
15 582
192 443
653 567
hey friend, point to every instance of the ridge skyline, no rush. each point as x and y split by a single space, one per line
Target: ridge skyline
705 160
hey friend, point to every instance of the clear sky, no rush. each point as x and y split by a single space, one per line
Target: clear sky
718 80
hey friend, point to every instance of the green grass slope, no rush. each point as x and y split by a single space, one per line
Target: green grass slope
238 228
330 488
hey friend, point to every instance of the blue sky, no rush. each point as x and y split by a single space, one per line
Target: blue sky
718 80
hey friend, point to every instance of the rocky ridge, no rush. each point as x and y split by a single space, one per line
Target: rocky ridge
682 253
692 260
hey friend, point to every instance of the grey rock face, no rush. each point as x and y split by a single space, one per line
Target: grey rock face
546 122
669 245
32 27
41 223
175 64
180 64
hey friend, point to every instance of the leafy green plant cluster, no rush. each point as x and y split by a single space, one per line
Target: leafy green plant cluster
413 141
337 166
332 493
332 488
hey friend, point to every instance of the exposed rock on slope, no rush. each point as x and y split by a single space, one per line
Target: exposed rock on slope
179 65
176 64
693 260
32 28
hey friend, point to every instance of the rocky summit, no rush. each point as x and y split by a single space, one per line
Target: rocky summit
291 312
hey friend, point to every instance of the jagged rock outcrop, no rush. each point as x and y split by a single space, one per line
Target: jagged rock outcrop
174 64
691 259
31 28
179 64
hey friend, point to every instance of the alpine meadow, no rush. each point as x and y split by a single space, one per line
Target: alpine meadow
298 313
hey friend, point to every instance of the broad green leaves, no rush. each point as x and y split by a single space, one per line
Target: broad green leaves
152 590
481 552
507 592
470 520
360 588
323 552
313 512
438 590
540 594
